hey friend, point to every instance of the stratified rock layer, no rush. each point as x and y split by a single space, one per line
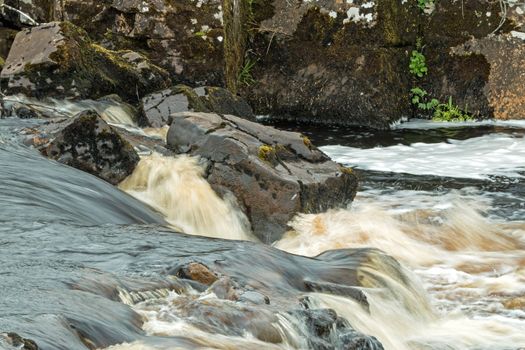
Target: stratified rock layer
273 174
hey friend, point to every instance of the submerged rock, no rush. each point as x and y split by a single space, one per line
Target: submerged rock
59 59
158 107
17 342
197 272
327 330
88 143
273 174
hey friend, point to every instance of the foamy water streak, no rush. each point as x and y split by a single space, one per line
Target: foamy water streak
179 315
175 187
399 329
473 268
112 111
476 158
424 124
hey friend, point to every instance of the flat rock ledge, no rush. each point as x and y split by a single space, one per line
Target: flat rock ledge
272 174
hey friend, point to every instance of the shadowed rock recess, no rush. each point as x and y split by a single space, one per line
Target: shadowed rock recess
273 174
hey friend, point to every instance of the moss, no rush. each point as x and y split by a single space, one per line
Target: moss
346 170
307 142
2 63
267 153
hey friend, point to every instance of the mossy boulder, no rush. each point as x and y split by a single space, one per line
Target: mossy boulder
184 37
158 107
59 59
272 174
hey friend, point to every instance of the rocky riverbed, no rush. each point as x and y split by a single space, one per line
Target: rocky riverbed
147 202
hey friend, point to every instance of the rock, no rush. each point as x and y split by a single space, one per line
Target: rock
503 90
273 174
347 62
184 37
254 298
337 289
225 288
197 272
158 107
59 60
217 316
7 36
88 143
324 330
16 341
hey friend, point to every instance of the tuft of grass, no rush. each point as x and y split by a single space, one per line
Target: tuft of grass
245 74
449 112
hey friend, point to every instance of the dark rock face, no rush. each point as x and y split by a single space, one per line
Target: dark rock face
327 61
273 174
88 143
347 63
59 60
158 107
185 37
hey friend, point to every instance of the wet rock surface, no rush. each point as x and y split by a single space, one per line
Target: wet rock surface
158 107
332 331
88 143
273 174
17 342
60 60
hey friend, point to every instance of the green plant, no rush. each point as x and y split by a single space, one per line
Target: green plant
422 4
421 99
449 112
418 64
245 74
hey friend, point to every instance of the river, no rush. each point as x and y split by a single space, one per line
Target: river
87 265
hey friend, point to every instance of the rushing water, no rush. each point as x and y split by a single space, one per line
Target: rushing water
79 256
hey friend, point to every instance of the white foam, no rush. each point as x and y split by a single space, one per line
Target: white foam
429 124
476 158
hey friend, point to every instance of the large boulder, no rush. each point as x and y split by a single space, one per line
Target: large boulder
273 174
88 143
185 37
159 106
58 59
